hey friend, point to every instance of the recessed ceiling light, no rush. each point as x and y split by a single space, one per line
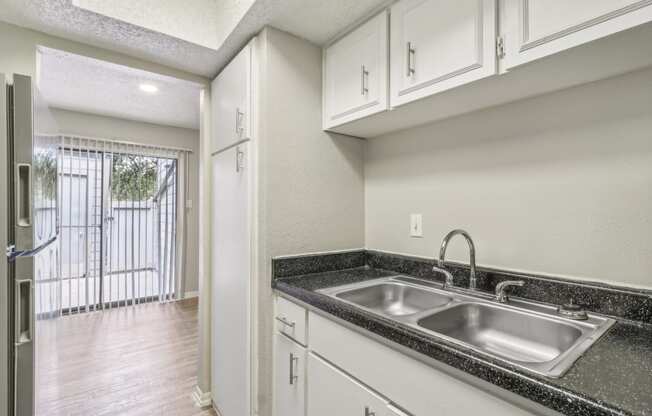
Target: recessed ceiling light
148 88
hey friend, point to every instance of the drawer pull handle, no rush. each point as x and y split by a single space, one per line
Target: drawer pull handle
285 322
368 412
293 360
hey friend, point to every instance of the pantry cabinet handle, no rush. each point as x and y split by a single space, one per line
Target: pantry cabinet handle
239 115
363 82
239 159
293 360
410 53
368 412
285 322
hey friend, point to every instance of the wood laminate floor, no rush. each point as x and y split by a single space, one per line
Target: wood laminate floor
139 361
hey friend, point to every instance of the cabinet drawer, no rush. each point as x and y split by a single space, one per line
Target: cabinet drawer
291 320
430 392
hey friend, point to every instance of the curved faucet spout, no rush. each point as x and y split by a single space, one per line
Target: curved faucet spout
469 240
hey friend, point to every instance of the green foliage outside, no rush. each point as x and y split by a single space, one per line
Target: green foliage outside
45 167
134 177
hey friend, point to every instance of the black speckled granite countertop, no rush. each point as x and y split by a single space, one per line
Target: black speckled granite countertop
614 377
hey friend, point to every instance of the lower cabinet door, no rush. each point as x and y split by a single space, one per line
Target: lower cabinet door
331 392
290 377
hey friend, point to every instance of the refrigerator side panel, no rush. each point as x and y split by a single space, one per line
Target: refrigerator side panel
22 114
24 321
5 307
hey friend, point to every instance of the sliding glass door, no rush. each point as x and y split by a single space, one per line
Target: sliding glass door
117 219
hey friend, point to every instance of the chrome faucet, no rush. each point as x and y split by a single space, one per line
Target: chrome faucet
501 295
442 255
449 276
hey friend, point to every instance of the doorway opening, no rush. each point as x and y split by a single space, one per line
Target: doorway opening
117 304
117 221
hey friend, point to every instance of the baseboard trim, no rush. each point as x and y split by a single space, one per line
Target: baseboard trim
190 295
201 398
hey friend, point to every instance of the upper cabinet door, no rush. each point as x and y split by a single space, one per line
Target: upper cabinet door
437 45
537 28
355 74
231 102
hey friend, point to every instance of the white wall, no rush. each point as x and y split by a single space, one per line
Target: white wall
559 184
311 182
70 122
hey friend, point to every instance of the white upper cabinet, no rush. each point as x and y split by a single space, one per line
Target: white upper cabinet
231 102
355 73
537 28
437 45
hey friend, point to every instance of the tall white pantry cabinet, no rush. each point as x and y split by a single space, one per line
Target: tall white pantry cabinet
231 210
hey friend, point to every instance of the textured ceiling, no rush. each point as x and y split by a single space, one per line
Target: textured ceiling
79 83
315 20
204 22
60 18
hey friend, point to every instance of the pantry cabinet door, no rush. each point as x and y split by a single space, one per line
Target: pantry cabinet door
355 83
231 102
536 28
437 45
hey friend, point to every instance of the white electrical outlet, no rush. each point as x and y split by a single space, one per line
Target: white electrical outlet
416 225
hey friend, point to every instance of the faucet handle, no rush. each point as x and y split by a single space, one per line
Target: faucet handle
501 288
449 276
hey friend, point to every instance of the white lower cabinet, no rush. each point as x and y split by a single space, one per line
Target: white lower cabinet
331 392
343 372
290 377
416 387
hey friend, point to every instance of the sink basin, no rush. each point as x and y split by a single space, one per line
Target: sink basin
532 336
511 334
394 299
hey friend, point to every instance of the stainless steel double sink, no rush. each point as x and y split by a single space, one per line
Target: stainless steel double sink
526 334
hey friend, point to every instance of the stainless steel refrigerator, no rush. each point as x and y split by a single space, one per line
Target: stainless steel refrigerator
28 228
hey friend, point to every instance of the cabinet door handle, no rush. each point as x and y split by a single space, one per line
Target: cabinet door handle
368 412
239 159
239 117
293 360
410 53
363 80
285 322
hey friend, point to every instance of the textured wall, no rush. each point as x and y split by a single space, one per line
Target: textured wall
558 184
311 182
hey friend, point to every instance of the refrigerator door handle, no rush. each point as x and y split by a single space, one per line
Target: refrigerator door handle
23 195
23 305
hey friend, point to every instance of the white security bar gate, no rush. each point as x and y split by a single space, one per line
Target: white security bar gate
118 222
